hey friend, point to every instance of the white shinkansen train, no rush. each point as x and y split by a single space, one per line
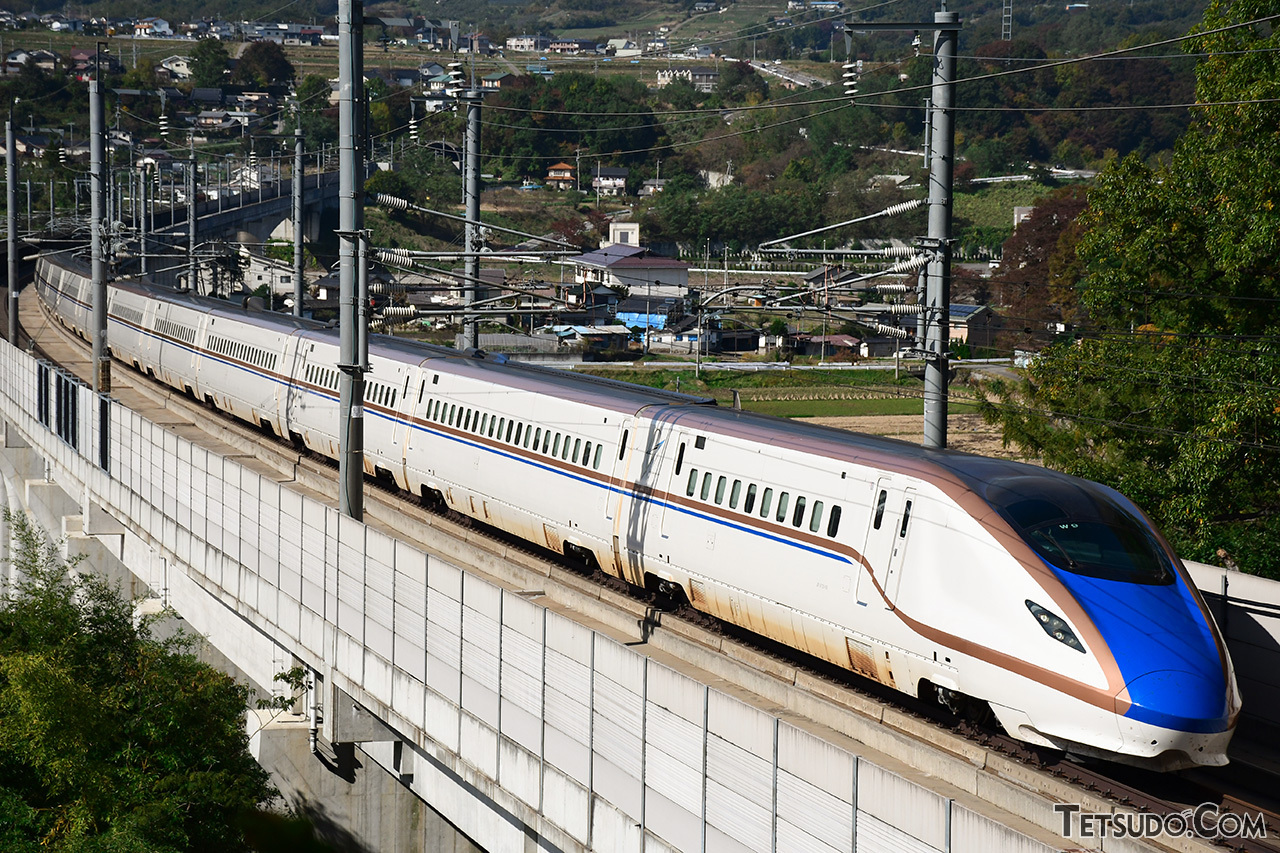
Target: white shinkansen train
977 581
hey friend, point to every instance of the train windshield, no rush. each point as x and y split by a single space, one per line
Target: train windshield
1085 532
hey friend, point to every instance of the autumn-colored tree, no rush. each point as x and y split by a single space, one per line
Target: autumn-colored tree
1170 389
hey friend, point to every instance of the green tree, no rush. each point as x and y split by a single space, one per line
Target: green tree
1171 392
209 60
262 64
111 739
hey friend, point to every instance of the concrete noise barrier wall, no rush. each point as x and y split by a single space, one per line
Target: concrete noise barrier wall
514 721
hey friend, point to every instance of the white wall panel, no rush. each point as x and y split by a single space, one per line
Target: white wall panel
813 814
479 745
442 721
975 833
520 772
410 653
876 836
565 802
377 677
673 757
901 803
613 830
344 589
672 820
409 698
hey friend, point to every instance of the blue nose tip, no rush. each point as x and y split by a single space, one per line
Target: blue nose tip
1178 700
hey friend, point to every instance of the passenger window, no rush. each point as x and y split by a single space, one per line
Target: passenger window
502 425
622 447
453 410
586 454
734 494
783 498
546 440
494 422
596 462
555 448
884 496
706 486
435 415
751 499
484 422
528 434
565 453
577 447
906 516
680 459
537 438
693 482
798 516
815 520
511 424
833 522
720 484
766 501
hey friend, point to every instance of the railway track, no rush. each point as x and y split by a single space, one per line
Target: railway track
1161 795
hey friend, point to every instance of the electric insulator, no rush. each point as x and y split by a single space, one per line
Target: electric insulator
390 201
455 80
892 331
850 80
164 125
891 288
413 129
904 309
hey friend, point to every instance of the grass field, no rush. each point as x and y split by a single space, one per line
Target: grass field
793 394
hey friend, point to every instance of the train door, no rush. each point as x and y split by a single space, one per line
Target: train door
635 512
886 540
615 496
416 439
293 367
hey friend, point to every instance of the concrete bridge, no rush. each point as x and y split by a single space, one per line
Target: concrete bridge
254 216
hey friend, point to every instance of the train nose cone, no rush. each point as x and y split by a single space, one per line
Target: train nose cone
1174 699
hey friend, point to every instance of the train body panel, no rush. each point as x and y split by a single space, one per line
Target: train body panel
1050 599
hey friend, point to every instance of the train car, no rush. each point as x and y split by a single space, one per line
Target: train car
1049 601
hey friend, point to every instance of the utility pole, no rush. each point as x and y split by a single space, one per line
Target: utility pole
193 272
938 290
934 324
144 185
97 186
351 102
298 264
472 98
11 221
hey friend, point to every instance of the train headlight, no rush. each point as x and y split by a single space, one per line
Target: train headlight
1055 626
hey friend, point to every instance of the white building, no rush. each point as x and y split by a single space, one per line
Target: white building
152 28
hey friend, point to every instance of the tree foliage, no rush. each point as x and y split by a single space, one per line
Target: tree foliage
262 64
110 739
1171 392
209 60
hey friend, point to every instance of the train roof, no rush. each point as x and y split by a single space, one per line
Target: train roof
988 477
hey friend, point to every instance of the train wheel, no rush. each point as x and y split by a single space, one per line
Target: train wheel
670 595
964 706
